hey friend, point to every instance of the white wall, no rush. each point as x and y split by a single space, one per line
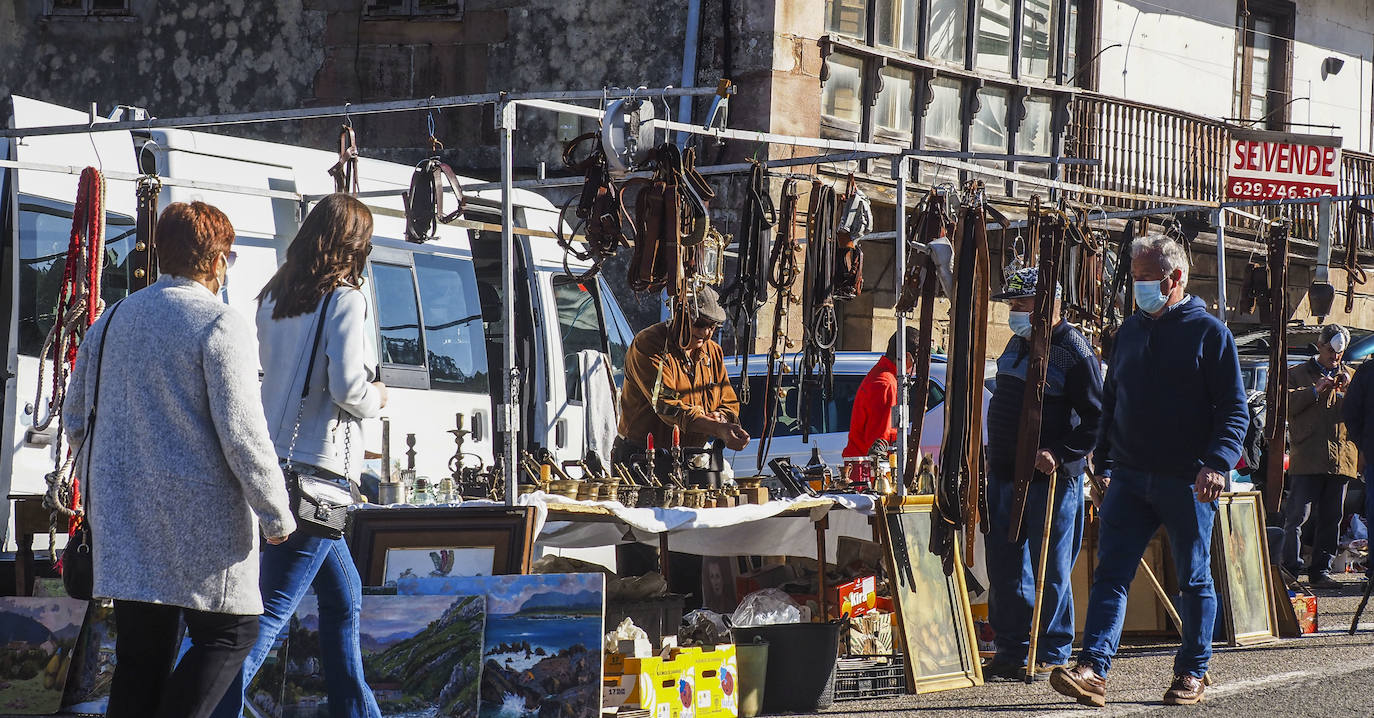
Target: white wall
1181 54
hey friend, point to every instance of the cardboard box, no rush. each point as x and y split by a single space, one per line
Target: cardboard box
717 676
871 635
664 685
1305 608
856 597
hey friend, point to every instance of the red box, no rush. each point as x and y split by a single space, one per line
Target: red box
1305 608
856 597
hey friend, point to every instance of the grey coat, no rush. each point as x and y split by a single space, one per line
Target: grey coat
182 461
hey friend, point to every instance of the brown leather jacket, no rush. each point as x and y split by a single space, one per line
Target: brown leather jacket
1318 442
686 391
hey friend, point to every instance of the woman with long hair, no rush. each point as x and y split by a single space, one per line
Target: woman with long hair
181 479
319 282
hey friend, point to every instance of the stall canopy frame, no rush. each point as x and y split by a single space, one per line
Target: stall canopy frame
507 104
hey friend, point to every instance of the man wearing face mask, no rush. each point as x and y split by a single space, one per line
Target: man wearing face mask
1322 458
1071 412
1173 419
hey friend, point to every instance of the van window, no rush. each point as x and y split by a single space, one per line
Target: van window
618 333
579 324
832 418
398 315
453 323
44 229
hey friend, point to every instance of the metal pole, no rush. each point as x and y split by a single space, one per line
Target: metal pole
900 167
505 126
1219 221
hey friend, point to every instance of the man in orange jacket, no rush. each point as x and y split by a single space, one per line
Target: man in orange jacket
871 419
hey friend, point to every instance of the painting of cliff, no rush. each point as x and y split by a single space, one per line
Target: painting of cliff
422 656
37 639
542 649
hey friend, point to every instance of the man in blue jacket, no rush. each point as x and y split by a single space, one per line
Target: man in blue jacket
1173 419
1070 414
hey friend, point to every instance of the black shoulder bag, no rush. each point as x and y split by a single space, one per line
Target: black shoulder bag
78 566
319 505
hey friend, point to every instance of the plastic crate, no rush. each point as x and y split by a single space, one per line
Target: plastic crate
865 678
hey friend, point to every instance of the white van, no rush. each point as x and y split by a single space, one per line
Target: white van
436 306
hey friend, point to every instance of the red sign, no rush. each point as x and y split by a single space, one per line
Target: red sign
1279 165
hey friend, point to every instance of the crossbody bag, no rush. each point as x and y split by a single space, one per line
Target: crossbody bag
318 503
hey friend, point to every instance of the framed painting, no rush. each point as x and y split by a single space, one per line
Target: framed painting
934 619
395 543
37 639
1240 565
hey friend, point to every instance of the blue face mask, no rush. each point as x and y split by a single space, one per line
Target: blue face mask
1020 324
1149 298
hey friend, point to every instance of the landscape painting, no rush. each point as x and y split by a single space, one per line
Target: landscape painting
37 639
422 656
542 650
93 663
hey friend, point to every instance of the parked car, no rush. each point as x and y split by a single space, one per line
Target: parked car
830 421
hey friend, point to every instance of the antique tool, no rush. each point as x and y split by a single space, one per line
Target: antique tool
1040 572
1048 228
678 471
1276 394
649 458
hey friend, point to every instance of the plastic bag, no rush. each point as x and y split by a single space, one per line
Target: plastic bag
703 627
626 631
768 607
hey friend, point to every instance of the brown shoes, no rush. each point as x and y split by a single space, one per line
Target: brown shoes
1185 691
1084 685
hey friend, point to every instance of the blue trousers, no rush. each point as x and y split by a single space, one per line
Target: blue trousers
1012 567
1136 505
287 571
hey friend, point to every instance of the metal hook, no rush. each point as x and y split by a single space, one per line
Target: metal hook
142 149
348 117
434 144
667 114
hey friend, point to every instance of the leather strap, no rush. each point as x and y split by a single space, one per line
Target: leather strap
782 277
424 201
345 171
746 295
821 324
143 258
1277 390
1354 273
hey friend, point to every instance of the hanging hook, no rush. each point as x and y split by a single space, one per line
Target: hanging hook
348 117
667 114
434 144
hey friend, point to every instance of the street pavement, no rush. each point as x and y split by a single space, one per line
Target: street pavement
1330 673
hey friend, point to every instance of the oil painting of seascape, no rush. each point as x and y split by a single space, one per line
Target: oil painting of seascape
541 655
38 636
422 656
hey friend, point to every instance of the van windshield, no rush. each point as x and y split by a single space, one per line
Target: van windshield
44 230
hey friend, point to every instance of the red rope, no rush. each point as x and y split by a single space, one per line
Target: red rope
85 250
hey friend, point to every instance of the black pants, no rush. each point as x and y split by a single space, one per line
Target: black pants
1317 500
145 685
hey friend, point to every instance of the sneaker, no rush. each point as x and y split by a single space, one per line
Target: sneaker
1323 581
1185 691
1080 683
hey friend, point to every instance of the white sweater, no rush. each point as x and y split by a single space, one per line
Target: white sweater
341 392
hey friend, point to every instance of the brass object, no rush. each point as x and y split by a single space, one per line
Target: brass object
564 487
628 496
694 498
588 490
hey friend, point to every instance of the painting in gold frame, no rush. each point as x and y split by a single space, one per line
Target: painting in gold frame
934 619
1240 564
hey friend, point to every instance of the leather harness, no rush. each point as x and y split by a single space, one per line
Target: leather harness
782 277
1051 226
345 171
600 212
424 201
821 330
1354 273
918 292
746 296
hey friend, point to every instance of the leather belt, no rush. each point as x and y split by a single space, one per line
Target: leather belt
143 258
1276 393
1050 227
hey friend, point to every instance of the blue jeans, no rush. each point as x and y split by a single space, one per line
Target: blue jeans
1012 567
288 570
1137 503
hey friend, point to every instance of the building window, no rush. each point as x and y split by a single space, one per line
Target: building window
847 17
993 39
391 9
1035 136
89 7
1038 18
947 27
893 111
1262 64
897 24
943 128
842 93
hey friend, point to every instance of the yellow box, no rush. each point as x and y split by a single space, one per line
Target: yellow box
664 685
717 675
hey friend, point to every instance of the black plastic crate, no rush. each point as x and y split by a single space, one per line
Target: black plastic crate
863 678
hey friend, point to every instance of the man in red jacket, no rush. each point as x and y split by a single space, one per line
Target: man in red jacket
872 419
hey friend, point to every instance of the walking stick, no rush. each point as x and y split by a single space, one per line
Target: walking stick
1040 578
1359 611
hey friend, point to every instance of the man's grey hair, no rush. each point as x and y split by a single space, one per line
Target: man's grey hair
1170 253
1330 331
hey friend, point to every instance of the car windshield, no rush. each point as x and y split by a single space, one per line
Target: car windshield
829 418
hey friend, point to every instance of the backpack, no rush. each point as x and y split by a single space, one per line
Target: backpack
1254 448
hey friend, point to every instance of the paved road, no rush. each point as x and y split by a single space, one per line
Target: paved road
1330 673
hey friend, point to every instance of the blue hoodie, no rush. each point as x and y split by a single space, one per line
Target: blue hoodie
1173 400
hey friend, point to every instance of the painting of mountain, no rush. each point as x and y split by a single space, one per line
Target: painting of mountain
93 663
37 639
422 656
542 649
